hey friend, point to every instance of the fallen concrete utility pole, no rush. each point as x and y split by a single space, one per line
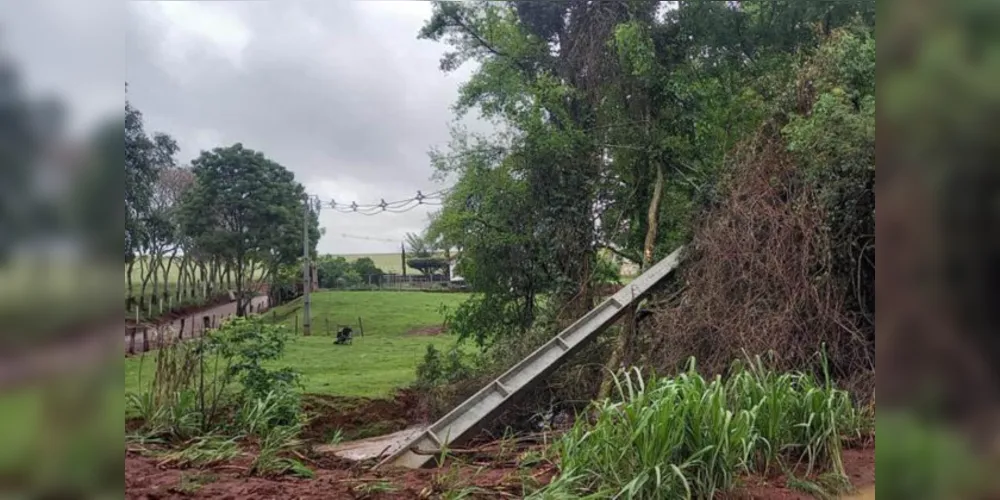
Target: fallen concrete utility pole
467 418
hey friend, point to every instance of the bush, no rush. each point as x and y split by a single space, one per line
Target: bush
443 368
244 344
606 271
689 437
210 393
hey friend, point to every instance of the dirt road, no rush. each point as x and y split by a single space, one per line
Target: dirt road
192 325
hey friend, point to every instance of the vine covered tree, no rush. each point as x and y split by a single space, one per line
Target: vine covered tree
619 121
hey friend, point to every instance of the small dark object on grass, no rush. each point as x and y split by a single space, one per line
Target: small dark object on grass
344 336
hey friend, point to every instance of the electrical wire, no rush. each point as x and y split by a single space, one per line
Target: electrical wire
432 199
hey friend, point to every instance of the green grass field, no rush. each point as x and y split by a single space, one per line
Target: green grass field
384 359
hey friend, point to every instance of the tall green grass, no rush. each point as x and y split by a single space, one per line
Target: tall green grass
211 396
690 437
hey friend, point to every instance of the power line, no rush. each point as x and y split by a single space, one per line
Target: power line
432 199
370 238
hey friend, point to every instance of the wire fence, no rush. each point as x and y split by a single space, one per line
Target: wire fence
399 282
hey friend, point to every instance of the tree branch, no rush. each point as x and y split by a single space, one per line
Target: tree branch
520 63
482 42
633 258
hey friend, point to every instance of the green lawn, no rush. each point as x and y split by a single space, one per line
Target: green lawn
384 359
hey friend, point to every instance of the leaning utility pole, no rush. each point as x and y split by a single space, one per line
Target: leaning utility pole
306 278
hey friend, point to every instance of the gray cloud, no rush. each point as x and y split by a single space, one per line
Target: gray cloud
341 93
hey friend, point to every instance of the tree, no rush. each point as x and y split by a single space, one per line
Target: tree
162 234
419 245
331 270
422 258
429 266
491 217
247 210
618 121
541 68
171 186
367 270
145 158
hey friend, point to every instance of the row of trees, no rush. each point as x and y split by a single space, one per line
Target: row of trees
619 120
232 220
337 272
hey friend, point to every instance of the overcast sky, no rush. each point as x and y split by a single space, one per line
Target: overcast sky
341 93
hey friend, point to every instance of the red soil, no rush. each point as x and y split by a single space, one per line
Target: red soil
493 470
859 465
359 418
146 479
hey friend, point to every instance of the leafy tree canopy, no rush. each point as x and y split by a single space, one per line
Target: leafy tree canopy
248 210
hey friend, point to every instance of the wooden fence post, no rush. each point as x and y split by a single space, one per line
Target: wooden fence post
131 345
361 326
296 324
145 339
180 335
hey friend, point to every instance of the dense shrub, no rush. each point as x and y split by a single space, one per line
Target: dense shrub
784 260
690 437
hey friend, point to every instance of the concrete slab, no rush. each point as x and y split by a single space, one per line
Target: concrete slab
372 448
463 421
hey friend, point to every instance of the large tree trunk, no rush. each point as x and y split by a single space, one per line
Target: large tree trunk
653 218
627 335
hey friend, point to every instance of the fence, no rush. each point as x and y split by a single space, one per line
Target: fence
141 338
400 282
155 303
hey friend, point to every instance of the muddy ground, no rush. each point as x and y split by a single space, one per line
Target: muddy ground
145 478
497 470
360 418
